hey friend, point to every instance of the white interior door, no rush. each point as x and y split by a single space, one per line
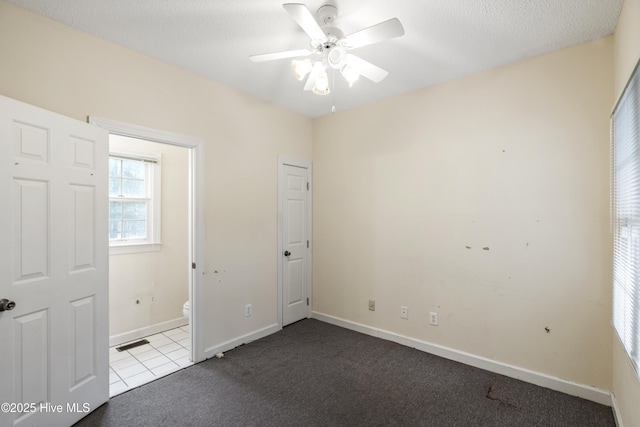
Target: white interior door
53 265
296 274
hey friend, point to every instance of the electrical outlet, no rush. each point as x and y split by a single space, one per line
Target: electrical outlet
372 305
404 312
248 310
433 318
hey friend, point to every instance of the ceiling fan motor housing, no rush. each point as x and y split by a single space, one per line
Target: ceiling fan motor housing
333 46
327 14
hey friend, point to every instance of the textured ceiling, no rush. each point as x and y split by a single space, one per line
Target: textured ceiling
444 39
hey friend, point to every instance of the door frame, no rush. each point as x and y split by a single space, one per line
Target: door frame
196 216
305 164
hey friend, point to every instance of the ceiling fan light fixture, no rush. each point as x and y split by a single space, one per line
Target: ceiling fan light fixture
322 84
301 67
330 46
337 57
350 74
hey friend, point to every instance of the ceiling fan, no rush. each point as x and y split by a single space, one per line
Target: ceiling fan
329 48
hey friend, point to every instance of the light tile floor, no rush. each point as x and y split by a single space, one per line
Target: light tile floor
166 352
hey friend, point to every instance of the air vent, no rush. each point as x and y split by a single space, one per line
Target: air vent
132 345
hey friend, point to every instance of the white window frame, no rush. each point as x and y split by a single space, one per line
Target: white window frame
153 177
625 194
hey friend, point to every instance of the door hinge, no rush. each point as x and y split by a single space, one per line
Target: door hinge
307 244
307 186
193 265
307 301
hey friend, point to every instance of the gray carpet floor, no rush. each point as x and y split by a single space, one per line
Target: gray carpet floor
315 374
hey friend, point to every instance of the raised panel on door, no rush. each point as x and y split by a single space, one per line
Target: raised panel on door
295 275
82 227
30 201
295 183
30 142
83 153
82 346
295 215
31 376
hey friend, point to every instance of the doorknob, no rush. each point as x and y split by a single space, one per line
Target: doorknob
287 253
6 305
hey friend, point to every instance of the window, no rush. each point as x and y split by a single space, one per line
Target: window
626 218
134 193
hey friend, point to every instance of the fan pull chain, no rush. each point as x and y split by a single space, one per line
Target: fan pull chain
333 94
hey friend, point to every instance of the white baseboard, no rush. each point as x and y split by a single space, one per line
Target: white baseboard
147 330
593 394
245 339
616 411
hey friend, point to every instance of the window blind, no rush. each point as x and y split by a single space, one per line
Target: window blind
626 218
137 158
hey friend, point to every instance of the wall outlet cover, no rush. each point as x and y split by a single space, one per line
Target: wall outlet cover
404 312
433 318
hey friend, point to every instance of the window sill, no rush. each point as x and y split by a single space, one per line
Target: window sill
134 248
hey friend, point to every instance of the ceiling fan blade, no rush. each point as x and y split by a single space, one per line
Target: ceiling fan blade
367 69
305 19
376 33
313 75
280 55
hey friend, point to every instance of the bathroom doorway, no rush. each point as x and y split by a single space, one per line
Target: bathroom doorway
153 254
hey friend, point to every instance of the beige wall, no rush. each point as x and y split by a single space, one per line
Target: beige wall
157 279
409 191
626 384
53 66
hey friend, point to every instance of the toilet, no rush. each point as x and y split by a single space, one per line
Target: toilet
185 309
